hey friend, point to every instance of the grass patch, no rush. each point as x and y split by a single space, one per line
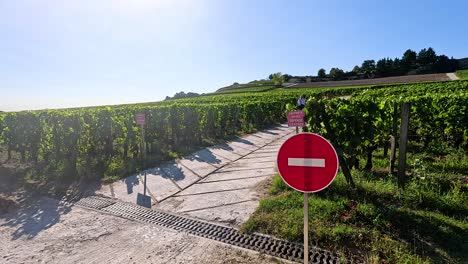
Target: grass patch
462 74
376 222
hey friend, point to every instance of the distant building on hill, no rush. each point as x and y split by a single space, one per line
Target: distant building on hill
463 63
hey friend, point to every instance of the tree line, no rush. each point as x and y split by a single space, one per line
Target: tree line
424 62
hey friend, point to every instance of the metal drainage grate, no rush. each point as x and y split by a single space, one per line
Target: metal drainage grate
258 242
94 203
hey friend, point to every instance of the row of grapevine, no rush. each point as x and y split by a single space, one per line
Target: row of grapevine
446 87
361 124
104 141
72 143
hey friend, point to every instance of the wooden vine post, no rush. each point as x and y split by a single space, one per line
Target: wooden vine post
393 138
405 114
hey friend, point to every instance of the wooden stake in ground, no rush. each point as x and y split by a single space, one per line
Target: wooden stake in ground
392 153
405 113
393 138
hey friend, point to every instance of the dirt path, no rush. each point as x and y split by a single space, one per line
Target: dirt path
452 76
49 231
220 184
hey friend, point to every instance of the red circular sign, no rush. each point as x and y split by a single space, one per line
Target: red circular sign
307 162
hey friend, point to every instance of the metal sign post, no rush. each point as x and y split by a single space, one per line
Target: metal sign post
306 202
143 151
306 228
308 163
141 120
143 200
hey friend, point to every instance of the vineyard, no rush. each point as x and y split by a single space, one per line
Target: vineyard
357 127
366 214
462 74
262 85
360 211
104 141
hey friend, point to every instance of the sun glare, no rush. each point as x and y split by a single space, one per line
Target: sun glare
137 7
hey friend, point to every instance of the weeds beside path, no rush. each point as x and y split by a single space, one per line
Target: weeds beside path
376 222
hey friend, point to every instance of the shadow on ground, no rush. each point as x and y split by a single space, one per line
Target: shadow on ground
205 156
172 170
270 132
131 181
244 141
37 212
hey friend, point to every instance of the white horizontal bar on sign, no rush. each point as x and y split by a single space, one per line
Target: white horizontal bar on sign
306 162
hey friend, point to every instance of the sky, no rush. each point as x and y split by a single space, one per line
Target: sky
57 54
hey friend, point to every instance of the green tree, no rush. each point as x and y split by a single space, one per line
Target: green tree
356 69
321 73
278 78
397 67
427 57
409 58
384 67
368 67
444 64
336 74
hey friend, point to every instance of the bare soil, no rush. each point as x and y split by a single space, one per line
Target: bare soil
263 187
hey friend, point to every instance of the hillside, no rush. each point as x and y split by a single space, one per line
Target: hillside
267 85
253 86
462 74
377 81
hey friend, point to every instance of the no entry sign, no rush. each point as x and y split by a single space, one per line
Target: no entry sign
296 118
307 162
